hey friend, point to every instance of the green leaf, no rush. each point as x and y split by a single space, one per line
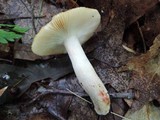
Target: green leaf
6 25
20 29
4 41
6 36
13 32
15 28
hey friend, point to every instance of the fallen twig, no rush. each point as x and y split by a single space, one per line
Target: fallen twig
125 95
79 96
120 116
5 60
26 6
53 91
141 34
18 18
32 13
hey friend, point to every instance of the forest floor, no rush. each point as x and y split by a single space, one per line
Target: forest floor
125 52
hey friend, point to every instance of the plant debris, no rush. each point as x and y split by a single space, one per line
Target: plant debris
147 112
37 86
146 74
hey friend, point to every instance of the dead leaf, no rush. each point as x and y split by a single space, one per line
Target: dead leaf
21 78
148 112
141 34
136 9
67 3
151 25
130 10
4 51
40 116
23 52
146 74
109 75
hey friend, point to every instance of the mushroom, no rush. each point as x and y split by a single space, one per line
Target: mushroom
64 34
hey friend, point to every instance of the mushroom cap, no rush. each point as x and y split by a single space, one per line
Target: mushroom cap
79 22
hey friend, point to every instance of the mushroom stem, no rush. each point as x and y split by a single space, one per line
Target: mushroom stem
87 76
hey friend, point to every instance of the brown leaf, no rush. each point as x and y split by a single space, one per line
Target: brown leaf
137 8
68 3
40 116
146 74
23 52
109 75
151 25
129 11
148 112
21 78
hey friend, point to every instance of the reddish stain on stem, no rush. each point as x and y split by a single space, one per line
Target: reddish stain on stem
104 96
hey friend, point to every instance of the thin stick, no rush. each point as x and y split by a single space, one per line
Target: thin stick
5 60
78 96
141 34
128 49
18 18
53 91
40 9
126 95
26 6
33 22
31 12
120 116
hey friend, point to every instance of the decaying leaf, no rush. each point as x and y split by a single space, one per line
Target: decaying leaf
24 52
148 112
19 79
110 8
151 27
67 3
146 74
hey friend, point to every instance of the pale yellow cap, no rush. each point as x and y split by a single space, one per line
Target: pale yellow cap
80 22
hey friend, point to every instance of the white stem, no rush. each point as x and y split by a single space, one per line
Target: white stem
87 76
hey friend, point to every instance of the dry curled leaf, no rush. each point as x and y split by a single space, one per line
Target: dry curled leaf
146 74
148 112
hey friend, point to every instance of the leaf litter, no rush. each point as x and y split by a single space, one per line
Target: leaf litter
146 74
147 112
105 52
